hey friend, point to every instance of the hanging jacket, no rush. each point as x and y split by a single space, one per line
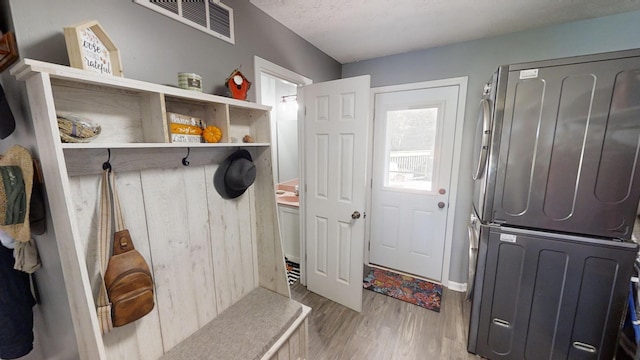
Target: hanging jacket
16 315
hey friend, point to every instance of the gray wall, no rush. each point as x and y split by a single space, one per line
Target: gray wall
153 48
477 60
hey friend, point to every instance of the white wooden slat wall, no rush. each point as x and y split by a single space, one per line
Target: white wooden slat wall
232 231
180 250
201 248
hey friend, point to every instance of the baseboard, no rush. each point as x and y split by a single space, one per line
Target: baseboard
459 287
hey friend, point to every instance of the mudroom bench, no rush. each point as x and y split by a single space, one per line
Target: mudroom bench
220 279
262 325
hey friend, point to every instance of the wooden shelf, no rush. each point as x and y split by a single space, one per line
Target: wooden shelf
28 67
132 112
72 146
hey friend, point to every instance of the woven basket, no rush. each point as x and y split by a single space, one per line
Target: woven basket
76 129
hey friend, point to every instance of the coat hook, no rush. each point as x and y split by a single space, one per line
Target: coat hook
107 164
185 160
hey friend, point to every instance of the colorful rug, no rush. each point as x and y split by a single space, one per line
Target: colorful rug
406 288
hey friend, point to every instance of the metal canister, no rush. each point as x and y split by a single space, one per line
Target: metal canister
190 81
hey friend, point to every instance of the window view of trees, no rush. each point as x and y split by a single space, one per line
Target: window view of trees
411 139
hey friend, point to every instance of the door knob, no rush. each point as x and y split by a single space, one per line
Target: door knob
355 215
440 204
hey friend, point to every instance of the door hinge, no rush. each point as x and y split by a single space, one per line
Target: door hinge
305 111
369 247
486 90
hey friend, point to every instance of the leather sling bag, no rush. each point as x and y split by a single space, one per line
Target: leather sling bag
127 294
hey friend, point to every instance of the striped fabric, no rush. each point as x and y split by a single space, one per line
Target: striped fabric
116 204
104 231
293 271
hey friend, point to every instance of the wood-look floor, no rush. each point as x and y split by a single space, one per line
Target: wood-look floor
387 328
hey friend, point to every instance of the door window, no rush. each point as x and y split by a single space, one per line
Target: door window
411 137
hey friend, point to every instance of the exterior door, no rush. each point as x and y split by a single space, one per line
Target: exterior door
414 135
335 142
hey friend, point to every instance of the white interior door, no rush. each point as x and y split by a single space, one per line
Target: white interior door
414 134
335 141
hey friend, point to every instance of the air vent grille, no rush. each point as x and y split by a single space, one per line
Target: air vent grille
171 5
195 11
219 19
210 16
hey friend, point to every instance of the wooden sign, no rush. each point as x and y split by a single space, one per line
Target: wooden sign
90 48
8 50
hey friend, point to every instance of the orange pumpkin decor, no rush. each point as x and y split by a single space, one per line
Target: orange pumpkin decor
238 85
212 134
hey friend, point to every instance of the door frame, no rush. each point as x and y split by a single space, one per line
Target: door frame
260 66
461 82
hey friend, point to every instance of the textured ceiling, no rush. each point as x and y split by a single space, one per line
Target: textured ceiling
352 30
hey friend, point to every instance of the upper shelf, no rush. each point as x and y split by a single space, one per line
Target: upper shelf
157 145
28 67
133 114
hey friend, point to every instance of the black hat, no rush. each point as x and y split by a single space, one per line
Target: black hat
234 175
7 122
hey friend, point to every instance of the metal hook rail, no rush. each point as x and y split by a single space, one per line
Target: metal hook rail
107 164
185 160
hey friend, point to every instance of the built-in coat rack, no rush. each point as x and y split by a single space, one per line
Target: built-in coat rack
82 161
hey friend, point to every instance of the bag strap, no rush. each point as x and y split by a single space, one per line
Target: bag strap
104 232
121 239
116 204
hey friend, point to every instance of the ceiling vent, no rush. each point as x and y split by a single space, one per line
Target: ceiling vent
212 17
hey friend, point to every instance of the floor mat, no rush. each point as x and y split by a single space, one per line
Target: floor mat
406 288
293 271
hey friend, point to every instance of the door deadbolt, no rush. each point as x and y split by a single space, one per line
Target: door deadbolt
442 191
355 215
440 204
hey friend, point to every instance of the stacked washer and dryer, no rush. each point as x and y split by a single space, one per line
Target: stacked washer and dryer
557 185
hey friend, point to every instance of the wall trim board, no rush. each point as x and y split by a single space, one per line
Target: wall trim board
456 286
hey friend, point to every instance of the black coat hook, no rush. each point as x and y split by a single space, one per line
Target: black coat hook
107 165
185 160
